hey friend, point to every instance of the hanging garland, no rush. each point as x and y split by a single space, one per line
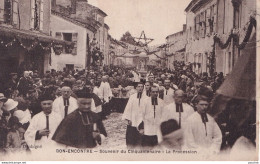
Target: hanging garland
233 36
248 33
236 37
58 48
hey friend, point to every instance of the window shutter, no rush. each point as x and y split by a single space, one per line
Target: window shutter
58 35
204 24
74 40
15 12
215 18
2 10
32 13
201 24
41 15
207 21
198 26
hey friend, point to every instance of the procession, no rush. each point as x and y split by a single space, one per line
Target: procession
62 93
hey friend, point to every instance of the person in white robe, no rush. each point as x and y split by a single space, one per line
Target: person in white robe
136 77
133 115
202 133
97 91
152 112
177 110
105 90
65 104
168 93
42 126
147 90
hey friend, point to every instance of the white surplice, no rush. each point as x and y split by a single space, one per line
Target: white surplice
168 96
105 91
97 91
133 110
58 106
169 112
37 123
201 138
151 119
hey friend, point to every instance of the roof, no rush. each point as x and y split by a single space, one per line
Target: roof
98 10
27 34
106 26
190 5
88 23
195 5
175 34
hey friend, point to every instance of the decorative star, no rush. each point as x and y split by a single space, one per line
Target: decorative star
143 38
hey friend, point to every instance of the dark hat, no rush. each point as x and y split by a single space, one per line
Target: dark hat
66 84
13 121
169 126
83 93
12 74
88 82
45 97
2 97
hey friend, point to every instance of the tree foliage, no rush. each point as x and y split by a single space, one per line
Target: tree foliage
128 38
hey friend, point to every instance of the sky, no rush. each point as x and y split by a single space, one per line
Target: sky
157 18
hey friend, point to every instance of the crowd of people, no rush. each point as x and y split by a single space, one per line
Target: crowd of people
163 109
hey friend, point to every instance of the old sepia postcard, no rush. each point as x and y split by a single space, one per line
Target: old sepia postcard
128 80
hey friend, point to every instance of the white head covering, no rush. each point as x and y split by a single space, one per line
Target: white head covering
23 116
10 104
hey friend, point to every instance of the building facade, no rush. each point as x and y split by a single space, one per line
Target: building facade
201 28
176 44
234 19
25 38
68 29
210 22
82 11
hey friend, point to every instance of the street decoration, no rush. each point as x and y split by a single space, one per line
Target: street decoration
32 44
233 35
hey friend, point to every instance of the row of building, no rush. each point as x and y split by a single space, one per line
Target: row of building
51 34
213 34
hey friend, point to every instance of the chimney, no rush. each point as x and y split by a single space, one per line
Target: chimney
184 27
73 6
53 4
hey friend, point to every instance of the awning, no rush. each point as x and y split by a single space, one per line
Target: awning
30 35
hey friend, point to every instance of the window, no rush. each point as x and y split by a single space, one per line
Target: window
67 37
70 37
37 14
202 24
213 18
207 22
197 27
9 12
70 67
